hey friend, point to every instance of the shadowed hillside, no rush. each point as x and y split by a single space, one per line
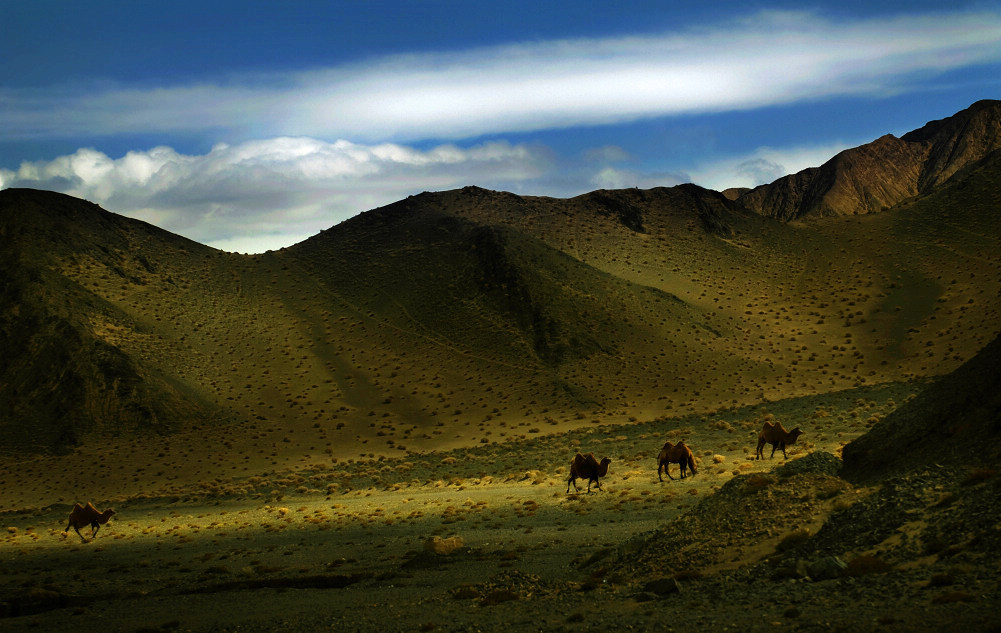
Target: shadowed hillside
473 316
64 376
956 423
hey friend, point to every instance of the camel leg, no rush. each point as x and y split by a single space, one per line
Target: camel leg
82 538
667 471
572 480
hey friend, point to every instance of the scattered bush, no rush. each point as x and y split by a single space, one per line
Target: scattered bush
979 475
498 596
953 596
793 540
757 482
867 564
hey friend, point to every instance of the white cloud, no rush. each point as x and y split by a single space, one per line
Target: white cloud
266 194
763 165
606 154
618 178
765 59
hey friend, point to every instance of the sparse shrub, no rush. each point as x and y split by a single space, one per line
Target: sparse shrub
953 596
793 540
498 596
842 504
722 425
443 546
867 564
979 475
757 482
688 575
941 580
947 500
935 544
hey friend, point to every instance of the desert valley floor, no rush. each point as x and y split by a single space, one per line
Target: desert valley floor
487 538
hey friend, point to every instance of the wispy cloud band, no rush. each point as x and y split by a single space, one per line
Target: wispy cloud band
764 59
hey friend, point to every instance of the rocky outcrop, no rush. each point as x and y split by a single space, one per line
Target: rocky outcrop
881 174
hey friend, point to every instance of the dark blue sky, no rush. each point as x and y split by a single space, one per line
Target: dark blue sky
356 104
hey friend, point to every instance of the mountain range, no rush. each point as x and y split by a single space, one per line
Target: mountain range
472 316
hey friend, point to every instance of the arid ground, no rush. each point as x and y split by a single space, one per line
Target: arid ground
485 538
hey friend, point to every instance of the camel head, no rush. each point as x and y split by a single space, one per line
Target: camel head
794 434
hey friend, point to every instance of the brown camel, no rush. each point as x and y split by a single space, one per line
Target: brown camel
81 516
586 466
675 454
778 437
